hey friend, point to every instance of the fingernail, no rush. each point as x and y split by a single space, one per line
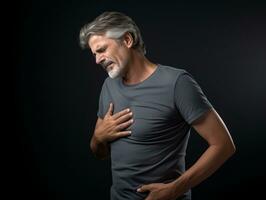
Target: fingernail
139 190
129 132
131 120
128 110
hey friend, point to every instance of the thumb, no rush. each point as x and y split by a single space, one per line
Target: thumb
144 188
111 109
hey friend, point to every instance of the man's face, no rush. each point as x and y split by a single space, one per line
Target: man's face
111 54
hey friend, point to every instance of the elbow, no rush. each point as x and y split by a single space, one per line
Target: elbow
231 149
233 146
227 148
230 146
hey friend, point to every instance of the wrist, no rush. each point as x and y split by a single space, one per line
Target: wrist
99 140
181 185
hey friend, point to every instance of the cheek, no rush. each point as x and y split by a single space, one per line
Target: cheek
124 56
120 56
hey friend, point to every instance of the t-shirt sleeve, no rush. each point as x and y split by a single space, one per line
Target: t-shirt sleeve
189 98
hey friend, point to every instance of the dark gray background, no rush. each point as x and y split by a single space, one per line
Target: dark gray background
57 87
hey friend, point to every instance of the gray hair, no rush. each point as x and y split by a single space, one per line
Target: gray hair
113 25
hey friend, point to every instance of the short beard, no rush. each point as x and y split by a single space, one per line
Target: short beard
115 72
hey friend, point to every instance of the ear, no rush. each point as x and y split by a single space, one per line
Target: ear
128 39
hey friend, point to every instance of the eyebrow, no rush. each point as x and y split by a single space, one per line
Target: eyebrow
100 49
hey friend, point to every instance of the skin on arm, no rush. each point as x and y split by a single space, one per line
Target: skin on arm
221 146
100 149
108 129
212 128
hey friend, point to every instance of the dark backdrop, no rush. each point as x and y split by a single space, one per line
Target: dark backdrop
57 87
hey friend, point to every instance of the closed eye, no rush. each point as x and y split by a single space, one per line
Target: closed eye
100 50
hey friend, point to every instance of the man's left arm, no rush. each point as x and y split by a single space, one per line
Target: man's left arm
221 146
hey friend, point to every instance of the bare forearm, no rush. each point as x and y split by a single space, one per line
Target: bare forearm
206 165
100 149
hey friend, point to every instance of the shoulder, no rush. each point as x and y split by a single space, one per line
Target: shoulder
171 73
110 83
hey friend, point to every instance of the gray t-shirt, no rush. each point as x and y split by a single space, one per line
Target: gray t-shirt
164 105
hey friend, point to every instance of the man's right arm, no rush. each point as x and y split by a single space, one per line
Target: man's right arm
108 129
99 148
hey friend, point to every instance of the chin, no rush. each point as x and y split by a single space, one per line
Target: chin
114 73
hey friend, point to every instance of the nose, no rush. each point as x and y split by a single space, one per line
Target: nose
99 59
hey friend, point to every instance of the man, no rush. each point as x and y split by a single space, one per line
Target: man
146 111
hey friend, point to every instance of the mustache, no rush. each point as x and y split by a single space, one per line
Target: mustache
105 64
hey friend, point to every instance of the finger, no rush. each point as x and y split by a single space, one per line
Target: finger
124 118
119 114
122 134
124 125
145 188
111 109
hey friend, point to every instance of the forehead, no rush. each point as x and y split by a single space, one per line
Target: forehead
96 41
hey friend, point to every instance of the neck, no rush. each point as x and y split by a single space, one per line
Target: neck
139 69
